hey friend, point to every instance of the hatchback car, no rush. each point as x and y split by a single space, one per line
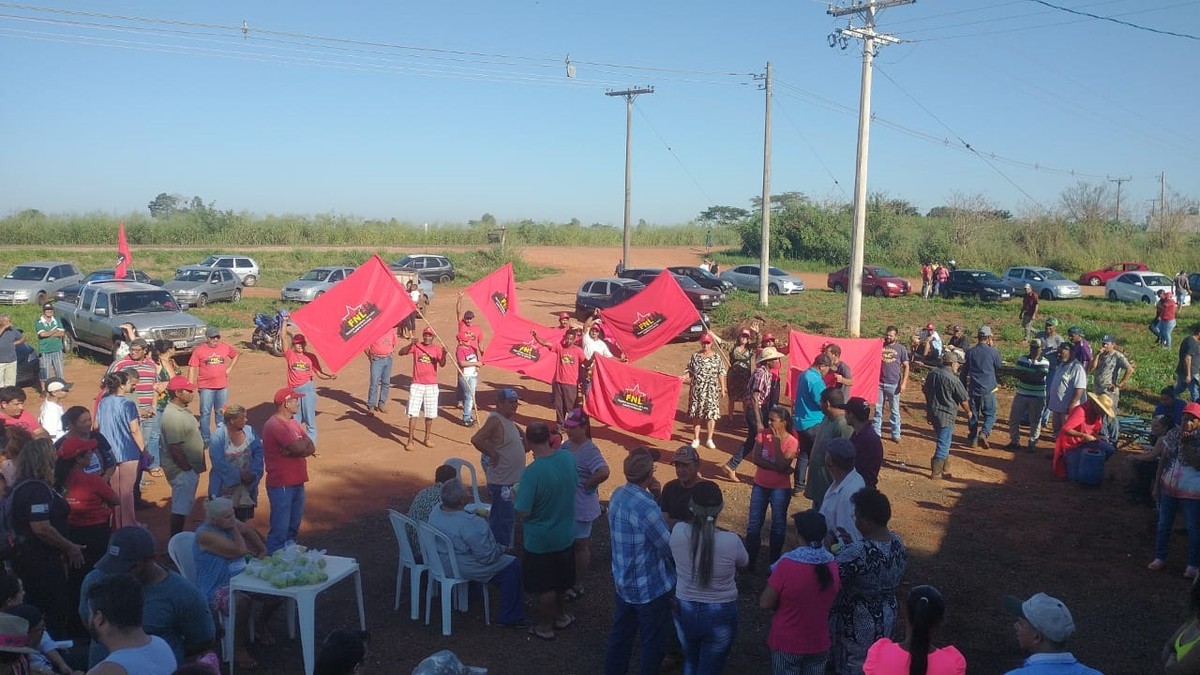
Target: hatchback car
432 267
603 293
244 267
37 281
702 298
70 292
977 283
745 277
1101 276
313 283
877 281
703 277
1047 283
197 286
1138 287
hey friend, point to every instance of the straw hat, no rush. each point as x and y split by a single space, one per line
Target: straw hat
768 354
1104 402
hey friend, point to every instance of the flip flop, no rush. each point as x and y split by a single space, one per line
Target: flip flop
564 624
541 636
574 594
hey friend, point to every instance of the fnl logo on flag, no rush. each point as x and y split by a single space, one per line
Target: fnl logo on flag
495 295
652 318
634 399
513 348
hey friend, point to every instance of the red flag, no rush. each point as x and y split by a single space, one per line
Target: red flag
495 295
513 348
124 255
863 355
652 318
634 399
350 316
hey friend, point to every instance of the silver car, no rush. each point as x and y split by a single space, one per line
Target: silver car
313 283
243 266
1047 283
1137 287
196 286
745 277
37 281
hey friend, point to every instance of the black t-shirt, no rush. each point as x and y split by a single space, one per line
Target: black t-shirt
35 501
103 450
676 500
1189 347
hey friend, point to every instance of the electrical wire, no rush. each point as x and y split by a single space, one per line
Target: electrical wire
683 166
1128 24
813 150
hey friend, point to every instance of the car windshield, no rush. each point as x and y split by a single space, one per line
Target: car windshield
192 275
27 273
1156 280
209 261
315 275
884 272
686 282
406 261
1050 275
143 301
703 273
99 275
984 276
776 272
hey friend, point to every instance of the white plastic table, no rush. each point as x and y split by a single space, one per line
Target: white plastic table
336 567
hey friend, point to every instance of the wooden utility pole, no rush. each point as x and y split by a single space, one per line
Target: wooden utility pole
1119 182
628 95
871 41
764 266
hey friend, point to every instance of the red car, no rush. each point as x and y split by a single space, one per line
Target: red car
877 281
1101 276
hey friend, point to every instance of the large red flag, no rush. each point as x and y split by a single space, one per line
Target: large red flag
513 348
863 355
634 399
650 319
347 318
124 255
495 295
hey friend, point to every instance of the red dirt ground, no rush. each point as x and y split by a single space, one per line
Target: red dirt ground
1001 526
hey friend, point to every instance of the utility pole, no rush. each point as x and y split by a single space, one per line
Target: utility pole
1119 181
628 95
867 11
764 267
1162 199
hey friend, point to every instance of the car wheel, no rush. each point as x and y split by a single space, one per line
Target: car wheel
1112 295
1046 294
68 341
202 301
879 293
1093 281
772 290
319 294
444 279
250 280
41 299
1147 300
838 288
982 296
237 295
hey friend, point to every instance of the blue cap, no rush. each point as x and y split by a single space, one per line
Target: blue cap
1107 339
509 394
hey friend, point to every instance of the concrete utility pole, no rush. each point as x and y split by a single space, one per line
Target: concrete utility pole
1162 199
628 95
1119 181
764 267
871 40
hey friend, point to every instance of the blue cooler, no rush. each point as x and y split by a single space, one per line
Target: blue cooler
1090 467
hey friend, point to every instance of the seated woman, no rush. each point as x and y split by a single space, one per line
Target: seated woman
222 544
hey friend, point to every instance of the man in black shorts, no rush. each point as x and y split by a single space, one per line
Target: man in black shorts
546 505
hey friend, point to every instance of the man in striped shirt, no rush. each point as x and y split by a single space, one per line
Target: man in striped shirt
1032 371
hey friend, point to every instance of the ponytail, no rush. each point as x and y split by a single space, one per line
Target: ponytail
704 528
112 383
926 610
824 576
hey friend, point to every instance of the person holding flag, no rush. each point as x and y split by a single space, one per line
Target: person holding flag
302 365
423 393
565 387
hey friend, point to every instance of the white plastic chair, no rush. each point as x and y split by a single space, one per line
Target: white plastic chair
461 464
401 525
182 554
433 543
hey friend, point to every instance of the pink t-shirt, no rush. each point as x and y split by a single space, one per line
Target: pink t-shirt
384 345
889 658
300 367
212 365
474 335
774 479
566 368
26 421
425 363
801 621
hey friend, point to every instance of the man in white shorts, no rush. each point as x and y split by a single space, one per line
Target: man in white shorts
183 456
423 394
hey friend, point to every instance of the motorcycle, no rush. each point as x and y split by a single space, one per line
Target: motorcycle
268 332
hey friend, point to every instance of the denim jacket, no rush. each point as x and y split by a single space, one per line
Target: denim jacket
224 473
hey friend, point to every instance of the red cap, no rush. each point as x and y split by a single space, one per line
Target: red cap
706 338
1192 409
930 326
428 331
745 333
563 315
299 339
768 336
74 446
180 383
286 394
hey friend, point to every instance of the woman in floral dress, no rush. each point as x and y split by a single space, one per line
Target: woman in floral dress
870 570
706 375
741 365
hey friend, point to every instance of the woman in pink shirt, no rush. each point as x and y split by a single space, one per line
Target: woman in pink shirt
924 612
773 454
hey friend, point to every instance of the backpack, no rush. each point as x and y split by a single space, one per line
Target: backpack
10 541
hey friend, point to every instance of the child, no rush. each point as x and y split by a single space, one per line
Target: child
46 659
51 414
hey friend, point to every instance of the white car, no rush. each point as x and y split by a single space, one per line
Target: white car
243 266
1137 287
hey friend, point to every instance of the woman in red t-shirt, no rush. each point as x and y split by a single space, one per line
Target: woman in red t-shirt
1082 427
1164 318
773 454
91 500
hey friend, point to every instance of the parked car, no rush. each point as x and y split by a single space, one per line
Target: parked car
1047 283
603 293
194 285
93 321
70 292
703 277
313 283
243 266
702 298
877 281
1138 287
29 365
432 267
977 283
37 281
1101 276
404 275
745 277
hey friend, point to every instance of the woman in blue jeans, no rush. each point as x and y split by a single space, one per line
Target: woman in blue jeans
1178 487
706 564
773 454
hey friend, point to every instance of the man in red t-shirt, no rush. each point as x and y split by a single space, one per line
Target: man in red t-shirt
302 366
209 370
423 393
285 447
565 387
13 412
466 325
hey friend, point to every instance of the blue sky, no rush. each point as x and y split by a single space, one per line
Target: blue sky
441 111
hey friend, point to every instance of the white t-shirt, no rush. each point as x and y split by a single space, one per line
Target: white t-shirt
593 346
728 553
837 508
51 419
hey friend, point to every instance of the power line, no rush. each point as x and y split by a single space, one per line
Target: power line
1039 26
672 151
812 149
1116 21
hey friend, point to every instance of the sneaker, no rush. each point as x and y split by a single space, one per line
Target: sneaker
1191 572
1012 445
1156 564
983 443
710 445
895 439
695 442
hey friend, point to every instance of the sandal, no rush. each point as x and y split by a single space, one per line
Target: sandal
540 635
574 594
565 622
1156 564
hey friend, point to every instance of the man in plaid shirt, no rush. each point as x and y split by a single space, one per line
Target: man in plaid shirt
757 405
643 570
